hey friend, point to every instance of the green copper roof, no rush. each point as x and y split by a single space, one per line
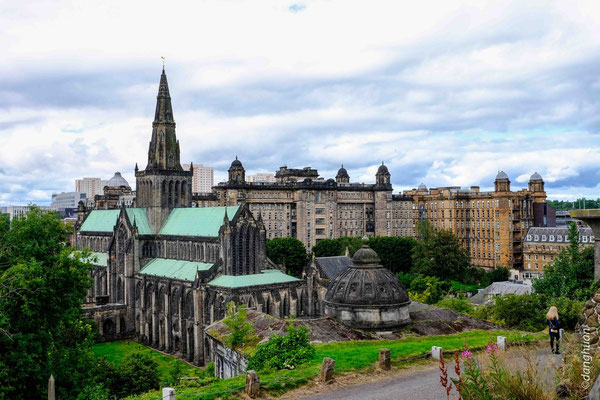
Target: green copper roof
140 217
204 221
100 259
100 221
105 220
175 269
267 277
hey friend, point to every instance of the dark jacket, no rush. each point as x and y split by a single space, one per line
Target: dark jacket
553 324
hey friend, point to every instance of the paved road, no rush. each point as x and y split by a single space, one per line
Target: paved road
422 384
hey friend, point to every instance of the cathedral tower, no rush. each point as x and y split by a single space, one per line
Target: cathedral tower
163 185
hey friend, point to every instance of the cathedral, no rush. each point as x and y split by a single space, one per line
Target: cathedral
164 270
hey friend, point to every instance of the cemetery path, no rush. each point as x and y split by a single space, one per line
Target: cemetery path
421 383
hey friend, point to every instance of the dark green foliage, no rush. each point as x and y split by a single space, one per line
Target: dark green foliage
139 373
242 331
350 243
283 352
572 274
424 289
42 331
528 312
175 372
328 248
210 369
498 274
439 253
565 205
525 312
458 304
4 224
289 252
395 252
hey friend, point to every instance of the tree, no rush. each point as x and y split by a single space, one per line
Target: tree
289 252
42 331
140 373
328 248
395 252
439 253
572 274
242 331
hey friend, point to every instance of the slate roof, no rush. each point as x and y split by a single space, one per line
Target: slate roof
105 220
174 269
500 288
266 277
555 231
204 221
333 266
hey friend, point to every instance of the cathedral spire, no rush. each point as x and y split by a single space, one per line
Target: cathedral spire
164 110
163 152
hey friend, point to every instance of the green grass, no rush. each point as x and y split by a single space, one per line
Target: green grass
115 353
348 356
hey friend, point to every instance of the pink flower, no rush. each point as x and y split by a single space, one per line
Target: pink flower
466 355
492 348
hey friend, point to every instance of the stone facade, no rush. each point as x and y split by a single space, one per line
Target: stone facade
490 225
543 245
588 325
302 205
163 270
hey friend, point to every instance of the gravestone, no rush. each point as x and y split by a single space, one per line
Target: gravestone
326 375
501 342
436 352
252 384
168 393
385 359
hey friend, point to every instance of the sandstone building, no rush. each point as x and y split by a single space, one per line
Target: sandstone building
490 225
542 246
302 205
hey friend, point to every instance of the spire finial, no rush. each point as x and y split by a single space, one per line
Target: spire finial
342 165
382 163
164 59
236 157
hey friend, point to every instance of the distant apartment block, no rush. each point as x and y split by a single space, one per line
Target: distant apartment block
66 200
18 211
261 178
90 186
203 178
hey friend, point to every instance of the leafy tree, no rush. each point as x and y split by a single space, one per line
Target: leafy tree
139 373
458 304
242 331
439 253
42 331
350 243
498 274
289 252
395 252
572 274
427 289
328 248
283 351
525 312
4 224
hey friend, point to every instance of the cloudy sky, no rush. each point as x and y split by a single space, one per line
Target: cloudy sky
445 92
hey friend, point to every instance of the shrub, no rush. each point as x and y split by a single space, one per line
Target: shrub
427 289
283 351
458 304
328 248
139 374
569 310
524 312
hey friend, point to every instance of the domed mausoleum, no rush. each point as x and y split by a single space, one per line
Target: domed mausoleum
366 295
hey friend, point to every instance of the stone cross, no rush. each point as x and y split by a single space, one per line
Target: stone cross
252 384
385 359
326 374
592 218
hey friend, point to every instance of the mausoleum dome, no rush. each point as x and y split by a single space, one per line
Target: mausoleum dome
342 172
366 295
117 180
236 162
501 175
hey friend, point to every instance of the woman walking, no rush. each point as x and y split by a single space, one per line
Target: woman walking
553 328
